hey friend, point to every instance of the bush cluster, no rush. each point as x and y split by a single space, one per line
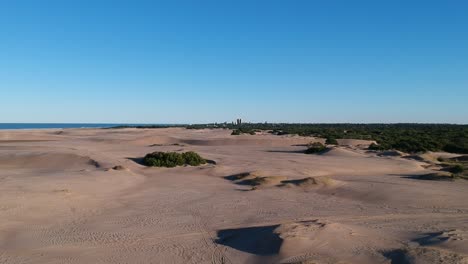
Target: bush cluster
403 137
456 169
458 166
240 131
315 147
331 141
173 159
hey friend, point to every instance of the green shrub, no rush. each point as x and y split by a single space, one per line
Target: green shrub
240 131
172 159
193 159
331 141
315 147
456 169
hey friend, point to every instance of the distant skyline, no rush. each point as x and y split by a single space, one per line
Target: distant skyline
214 61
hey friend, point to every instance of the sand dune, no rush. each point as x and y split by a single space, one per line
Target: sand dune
80 196
309 241
311 182
452 240
322 241
258 179
46 161
244 140
391 153
423 255
338 151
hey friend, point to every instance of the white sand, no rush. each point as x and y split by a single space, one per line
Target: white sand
60 201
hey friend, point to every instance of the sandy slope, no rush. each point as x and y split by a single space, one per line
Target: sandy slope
263 202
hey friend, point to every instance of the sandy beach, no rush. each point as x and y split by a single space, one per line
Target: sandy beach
83 196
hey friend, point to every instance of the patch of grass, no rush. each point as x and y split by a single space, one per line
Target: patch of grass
331 141
240 131
458 166
314 148
173 159
192 158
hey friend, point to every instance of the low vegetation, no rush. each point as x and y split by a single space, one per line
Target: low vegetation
457 166
240 131
173 159
410 138
331 141
314 148
456 169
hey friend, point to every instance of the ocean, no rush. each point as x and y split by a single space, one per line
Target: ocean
63 125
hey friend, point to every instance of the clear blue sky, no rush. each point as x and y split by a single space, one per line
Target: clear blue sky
204 61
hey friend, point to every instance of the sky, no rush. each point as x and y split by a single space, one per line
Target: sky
199 61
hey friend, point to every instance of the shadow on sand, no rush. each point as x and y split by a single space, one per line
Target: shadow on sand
430 239
259 240
398 256
137 160
426 177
